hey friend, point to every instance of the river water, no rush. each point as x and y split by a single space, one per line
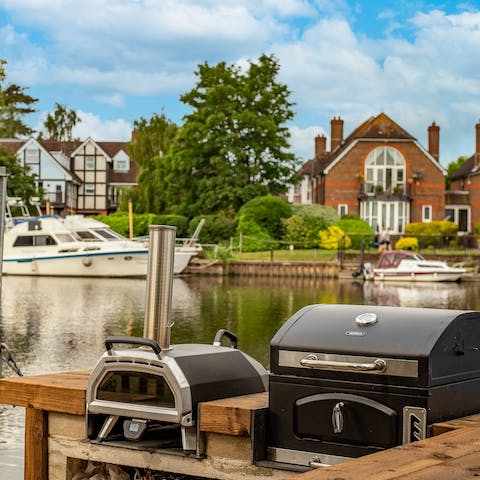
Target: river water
60 324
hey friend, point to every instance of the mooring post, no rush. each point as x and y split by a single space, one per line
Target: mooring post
3 199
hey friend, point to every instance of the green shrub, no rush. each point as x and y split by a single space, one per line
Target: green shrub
326 213
302 231
407 243
254 237
119 222
331 237
357 230
267 212
217 228
432 234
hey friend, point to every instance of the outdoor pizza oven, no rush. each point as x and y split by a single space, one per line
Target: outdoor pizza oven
146 396
349 380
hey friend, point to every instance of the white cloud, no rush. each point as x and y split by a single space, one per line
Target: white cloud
302 141
92 125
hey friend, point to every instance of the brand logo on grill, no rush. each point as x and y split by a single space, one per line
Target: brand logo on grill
414 424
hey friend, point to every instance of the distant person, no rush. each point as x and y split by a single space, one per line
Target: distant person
384 239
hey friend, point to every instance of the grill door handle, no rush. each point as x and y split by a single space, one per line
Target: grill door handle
312 361
144 342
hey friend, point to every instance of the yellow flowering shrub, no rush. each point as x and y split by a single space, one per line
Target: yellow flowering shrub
407 243
330 237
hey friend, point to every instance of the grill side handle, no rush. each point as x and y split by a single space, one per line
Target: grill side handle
312 361
217 341
126 340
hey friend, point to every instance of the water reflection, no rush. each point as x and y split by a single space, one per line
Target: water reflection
59 324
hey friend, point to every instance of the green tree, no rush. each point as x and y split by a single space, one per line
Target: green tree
14 105
153 139
19 182
452 167
59 126
234 145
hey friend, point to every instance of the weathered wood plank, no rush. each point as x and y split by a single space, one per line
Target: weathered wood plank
231 416
442 427
36 444
59 392
434 458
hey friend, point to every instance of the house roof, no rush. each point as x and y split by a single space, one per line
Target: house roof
374 128
466 169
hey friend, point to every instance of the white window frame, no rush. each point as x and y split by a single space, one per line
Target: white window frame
385 166
90 162
426 218
89 189
32 156
342 209
121 165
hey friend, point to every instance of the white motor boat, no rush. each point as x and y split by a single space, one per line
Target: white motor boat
75 246
401 265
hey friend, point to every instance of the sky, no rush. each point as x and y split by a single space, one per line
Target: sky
116 61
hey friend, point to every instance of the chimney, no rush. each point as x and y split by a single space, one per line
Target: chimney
336 135
434 140
320 145
134 136
477 144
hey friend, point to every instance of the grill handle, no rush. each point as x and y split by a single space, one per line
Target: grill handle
110 341
217 341
312 361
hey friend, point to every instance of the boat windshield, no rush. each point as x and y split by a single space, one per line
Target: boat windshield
108 235
64 238
85 236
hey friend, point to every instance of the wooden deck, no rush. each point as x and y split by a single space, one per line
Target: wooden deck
453 453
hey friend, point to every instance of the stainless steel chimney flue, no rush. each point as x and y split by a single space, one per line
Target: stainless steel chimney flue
158 301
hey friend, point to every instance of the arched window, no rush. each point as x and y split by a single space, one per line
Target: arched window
385 171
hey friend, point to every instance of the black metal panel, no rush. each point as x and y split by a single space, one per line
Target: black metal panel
286 392
339 417
219 374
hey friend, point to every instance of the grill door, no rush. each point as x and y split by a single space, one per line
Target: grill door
345 418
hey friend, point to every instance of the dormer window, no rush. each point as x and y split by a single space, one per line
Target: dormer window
121 162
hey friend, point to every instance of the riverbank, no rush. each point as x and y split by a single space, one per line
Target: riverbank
336 268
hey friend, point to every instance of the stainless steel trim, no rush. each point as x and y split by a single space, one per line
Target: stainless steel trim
414 424
366 319
393 366
312 361
300 457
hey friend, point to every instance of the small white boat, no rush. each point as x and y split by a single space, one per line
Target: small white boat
77 247
401 265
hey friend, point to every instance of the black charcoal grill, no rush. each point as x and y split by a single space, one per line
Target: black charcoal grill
146 396
349 380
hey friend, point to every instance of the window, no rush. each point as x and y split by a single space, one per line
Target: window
121 165
34 240
426 213
89 189
32 155
342 210
89 162
384 171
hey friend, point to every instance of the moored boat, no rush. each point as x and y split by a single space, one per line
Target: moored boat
78 247
402 265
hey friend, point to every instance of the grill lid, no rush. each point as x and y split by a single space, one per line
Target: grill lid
437 346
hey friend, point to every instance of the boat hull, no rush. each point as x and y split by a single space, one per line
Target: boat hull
453 275
99 264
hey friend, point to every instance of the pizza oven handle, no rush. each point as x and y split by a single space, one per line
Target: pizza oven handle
312 361
109 341
217 341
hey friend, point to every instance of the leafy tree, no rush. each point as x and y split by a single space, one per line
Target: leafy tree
452 167
19 182
14 105
358 230
153 141
59 126
234 144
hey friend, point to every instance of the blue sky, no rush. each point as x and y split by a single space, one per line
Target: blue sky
115 61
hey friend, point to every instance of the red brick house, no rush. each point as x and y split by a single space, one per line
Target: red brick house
379 172
463 198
